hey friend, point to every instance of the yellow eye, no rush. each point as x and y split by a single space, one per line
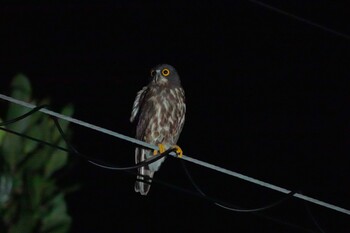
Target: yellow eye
153 72
165 72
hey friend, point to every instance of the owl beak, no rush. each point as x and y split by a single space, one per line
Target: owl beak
157 76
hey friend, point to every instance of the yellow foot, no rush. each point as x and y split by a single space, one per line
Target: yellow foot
161 149
178 151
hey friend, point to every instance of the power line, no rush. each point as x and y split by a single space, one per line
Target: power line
301 19
72 149
199 193
149 160
227 206
82 123
187 158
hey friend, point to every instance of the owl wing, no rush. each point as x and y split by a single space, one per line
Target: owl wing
138 103
140 154
180 115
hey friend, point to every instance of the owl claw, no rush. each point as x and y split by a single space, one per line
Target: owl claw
178 151
161 149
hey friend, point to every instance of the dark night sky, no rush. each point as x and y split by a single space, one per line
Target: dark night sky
267 96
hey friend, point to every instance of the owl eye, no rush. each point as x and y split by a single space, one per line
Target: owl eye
165 72
153 72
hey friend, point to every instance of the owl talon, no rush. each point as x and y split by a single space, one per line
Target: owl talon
178 151
161 149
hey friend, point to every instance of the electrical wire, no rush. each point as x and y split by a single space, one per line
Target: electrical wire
216 202
184 157
39 141
166 184
195 185
229 206
11 121
72 149
301 19
109 167
130 172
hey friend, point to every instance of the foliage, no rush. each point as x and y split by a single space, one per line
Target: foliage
30 198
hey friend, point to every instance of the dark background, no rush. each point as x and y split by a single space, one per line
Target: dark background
267 96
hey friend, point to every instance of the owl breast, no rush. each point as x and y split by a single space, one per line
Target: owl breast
166 117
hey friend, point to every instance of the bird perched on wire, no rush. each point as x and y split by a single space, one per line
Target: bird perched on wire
160 108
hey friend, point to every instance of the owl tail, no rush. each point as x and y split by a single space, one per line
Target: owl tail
143 187
145 172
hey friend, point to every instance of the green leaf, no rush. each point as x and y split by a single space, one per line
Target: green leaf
37 159
68 111
12 145
2 134
11 149
30 145
38 155
21 90
35 204
21 87
26 223
57 221
35 184
56 161
37 117
49 189
44 128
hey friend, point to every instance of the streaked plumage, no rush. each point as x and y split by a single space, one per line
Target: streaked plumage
160 109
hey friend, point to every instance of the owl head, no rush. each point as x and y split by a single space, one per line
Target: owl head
165 75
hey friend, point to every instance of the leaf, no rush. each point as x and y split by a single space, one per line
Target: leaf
37 159
26 223
21 87
35 204
39 154
56 161
57 221
49 188
44 128
37 117
35 186
12 144
30 145
21 90
2 134
11 149
67 111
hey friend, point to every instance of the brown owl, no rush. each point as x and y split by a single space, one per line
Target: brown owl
160 108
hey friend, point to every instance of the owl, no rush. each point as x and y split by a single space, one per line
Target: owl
159 109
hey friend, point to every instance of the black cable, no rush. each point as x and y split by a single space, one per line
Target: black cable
36 109
106 166
73 150
236 208
301 19
180 189
128 170
230 206
35 139
71 147
215 201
